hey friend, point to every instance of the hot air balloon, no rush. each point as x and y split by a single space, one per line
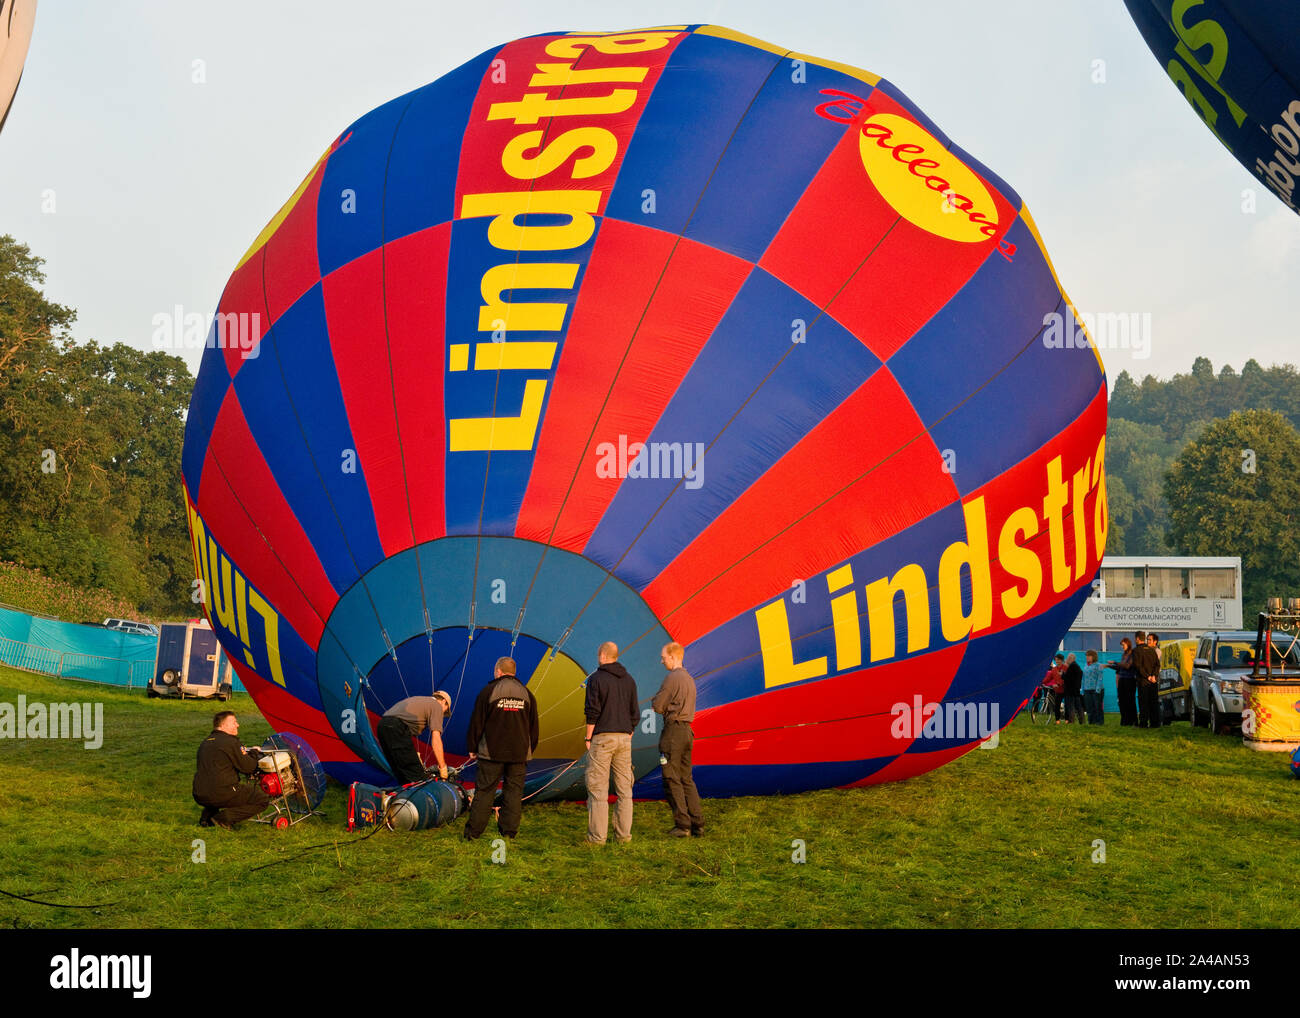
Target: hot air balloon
1237 62
17 18
650 336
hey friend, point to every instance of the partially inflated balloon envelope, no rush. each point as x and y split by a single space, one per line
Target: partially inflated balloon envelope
17 17
666 335
1237 62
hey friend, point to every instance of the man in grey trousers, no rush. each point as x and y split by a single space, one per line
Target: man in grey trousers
676 702
612 712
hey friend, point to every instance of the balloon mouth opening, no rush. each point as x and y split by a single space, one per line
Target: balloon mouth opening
440 615
460 663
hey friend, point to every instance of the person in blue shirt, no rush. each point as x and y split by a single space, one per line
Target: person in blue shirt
1093 689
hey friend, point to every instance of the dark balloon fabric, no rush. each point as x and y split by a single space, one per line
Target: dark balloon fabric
1237 63
666 335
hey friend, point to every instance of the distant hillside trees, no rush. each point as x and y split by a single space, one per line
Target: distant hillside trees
1180 405
1151 423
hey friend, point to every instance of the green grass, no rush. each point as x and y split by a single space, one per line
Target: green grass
1199 832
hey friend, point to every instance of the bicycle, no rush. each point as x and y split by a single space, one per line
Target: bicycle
1042 709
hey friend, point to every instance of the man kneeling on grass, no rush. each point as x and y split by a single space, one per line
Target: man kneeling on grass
217 789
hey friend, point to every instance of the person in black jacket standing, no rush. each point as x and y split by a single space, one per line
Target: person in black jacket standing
1073 691
221 760
612 713
1146 662
502 736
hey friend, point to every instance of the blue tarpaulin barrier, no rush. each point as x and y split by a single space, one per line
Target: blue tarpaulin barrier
77 651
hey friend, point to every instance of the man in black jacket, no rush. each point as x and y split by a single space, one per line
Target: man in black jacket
502 736
1146 662
612 713
1073 691
221 760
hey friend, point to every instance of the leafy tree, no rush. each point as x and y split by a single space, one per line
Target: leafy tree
1137 457
29 324
1125 397
1119 509
90 442
1235 490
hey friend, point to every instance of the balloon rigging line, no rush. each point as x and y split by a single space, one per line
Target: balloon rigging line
553 780
464 663
558 702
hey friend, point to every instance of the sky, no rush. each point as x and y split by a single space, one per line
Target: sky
151 141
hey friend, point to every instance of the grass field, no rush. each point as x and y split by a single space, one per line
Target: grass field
1198 830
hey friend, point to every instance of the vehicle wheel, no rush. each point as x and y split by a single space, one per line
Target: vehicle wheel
1216 719
281 823
1196 716
152 693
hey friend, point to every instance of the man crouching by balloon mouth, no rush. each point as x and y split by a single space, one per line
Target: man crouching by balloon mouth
221 760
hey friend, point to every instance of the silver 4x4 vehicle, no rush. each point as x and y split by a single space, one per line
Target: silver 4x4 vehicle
130 626
1223 661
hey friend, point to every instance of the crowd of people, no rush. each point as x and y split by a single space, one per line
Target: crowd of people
1077 692
502 737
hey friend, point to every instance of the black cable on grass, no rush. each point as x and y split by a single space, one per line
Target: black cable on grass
324 844
55 904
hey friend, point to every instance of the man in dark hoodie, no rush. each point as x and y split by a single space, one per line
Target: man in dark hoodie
612 713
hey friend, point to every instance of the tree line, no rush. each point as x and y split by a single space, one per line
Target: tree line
90 447
1206 464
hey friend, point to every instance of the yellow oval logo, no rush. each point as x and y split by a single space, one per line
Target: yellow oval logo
925 183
